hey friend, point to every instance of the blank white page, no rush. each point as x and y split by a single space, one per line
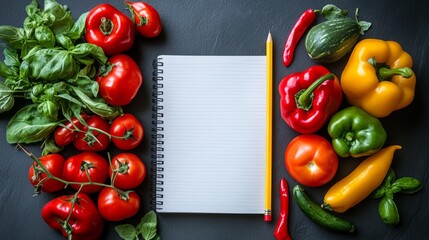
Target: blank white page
213 134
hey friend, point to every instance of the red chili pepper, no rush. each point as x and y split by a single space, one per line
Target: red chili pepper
281 232
309 98
304 21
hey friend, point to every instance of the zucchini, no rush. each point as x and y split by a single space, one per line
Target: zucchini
331 40
319 215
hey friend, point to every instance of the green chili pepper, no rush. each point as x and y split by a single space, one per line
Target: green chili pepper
356 133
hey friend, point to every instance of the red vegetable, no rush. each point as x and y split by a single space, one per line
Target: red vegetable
110 29
84 223
281 231
129 171
146 18
119 80
114 206
92 139
129 129
304 21
65 135
86 167
311 160
54 164
308 99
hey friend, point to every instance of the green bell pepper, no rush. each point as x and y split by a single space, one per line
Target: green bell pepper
356 133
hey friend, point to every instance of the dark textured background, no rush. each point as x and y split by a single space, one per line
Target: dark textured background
240 28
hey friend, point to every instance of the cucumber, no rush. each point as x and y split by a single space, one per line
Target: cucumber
331 40
319 215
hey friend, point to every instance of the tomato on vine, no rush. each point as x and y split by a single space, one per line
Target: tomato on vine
64 135
126 132
86 167
54 164
127 171
114 205
93 137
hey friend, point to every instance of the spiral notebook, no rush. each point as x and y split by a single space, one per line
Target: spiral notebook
209 134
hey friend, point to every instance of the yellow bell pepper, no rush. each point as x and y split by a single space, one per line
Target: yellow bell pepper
378 77
361 182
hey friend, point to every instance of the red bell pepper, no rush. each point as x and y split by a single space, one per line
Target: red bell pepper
74 215
110 29
309 98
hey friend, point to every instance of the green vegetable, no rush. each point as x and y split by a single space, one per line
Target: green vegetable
356 133
147 228
387 208
331 40
318 214
45 61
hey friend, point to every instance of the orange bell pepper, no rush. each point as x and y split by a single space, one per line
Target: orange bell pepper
378 77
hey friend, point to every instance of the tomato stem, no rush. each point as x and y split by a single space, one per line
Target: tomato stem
106 26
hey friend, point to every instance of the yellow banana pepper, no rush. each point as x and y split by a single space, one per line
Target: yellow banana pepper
361 182
378 77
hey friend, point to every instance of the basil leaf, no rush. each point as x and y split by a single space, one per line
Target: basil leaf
49 146
147 226
13 36
331 11
6 98
45 36
85 84
98 106
126 231
63 18
28 126
52 65
78 29
84 50
64 41
408 185
49 109
11 58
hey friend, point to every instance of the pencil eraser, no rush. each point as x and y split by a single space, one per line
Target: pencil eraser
268 217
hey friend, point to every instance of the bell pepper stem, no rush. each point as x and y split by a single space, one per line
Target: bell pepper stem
386 73
304 98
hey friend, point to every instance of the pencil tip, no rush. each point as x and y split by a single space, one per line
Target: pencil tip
269 38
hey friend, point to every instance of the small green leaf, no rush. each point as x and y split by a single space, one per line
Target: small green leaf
126 231
408 185
147 226
331 11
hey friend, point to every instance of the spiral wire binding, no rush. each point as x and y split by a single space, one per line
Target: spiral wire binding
157 142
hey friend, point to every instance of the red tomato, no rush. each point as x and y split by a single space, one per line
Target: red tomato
127 132
65 135
77 166
120 81
146 18
113 206
54 164
129 171
311 160
110 29
93 140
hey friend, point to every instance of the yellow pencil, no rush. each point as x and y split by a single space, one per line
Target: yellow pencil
269 128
